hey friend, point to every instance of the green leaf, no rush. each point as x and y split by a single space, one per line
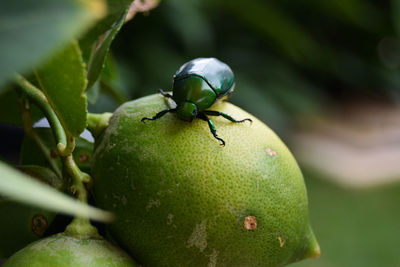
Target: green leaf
9 111
19 187
43 174
111 83
93 92
99 53
63 81
31 29
114 10
110 73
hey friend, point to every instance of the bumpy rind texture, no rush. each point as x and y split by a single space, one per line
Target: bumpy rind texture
66 251
182 199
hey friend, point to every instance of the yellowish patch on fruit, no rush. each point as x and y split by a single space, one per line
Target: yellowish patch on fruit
213 259
198 238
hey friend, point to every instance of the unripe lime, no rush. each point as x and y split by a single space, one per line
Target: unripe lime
183 200
65 251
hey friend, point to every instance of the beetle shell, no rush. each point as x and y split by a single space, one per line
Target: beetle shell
214 72
195 90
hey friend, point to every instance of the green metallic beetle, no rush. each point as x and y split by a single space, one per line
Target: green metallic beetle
197 85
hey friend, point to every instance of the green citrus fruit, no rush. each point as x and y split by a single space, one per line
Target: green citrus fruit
64 251
183 200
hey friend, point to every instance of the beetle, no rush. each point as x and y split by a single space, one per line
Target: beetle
197 85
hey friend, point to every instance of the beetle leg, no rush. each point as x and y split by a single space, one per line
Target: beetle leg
212 127
226 116
158 115
165 94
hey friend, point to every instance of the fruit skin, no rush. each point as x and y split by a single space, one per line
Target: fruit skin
62 250
183 201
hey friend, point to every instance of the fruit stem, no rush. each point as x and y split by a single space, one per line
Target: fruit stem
97 122
38 98
82 228
78 178
66 150
27 125
65 142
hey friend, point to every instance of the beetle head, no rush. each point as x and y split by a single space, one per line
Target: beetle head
187 111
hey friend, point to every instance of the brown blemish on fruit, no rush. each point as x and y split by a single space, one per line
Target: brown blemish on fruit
271 152
281 241
39 224
250 223
84 157
53 153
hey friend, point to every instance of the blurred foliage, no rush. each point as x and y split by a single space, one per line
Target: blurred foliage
9 110
290 58
354 228
59 46
31 30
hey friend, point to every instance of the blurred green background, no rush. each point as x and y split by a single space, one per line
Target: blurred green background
293 61
353 227
290 58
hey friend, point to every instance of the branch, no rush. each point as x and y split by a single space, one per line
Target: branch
38 98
